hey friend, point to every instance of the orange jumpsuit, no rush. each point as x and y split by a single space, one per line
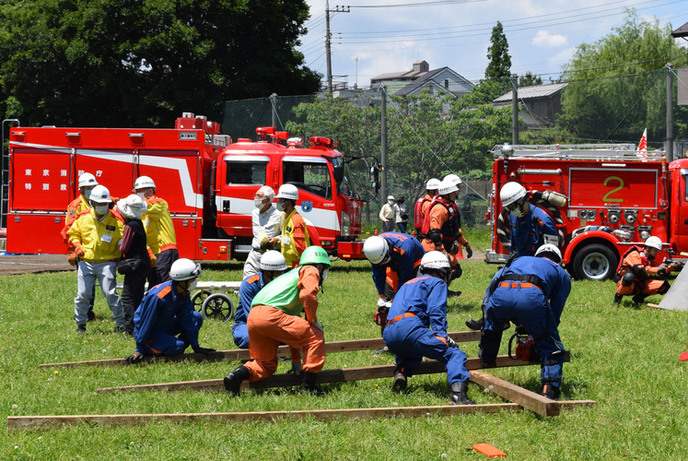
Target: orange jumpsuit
268 326
295 238
74 209
636 282
438 217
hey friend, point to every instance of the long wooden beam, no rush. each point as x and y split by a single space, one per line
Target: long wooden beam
242 354
525 398
325 376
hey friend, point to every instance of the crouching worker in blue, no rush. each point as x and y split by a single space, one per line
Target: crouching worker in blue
417 328
165 323
272 265
531 292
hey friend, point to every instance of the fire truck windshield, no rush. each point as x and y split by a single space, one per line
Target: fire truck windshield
308 175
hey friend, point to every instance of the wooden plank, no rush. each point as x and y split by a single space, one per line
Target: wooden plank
32 422
324 377
242 354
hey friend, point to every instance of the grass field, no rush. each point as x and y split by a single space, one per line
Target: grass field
624 357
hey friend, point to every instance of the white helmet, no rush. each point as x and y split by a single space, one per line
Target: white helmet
273 261
447 187
390 197
654 242
184 269
435 260
87 180
132 207
549 250
453 179
288 191
144 182
376 250
511 192
100 194
432 184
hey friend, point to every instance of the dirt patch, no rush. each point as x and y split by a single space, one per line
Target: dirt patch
22 264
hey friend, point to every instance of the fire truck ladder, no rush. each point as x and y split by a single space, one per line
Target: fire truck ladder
599 152
5 178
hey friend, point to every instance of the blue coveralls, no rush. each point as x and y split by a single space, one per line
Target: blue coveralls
406 253
527 233
536 304
248 289
162 315
422 331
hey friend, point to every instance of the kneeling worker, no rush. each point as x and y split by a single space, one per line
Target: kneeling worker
272 265
531 292
417 328
165 323
275 318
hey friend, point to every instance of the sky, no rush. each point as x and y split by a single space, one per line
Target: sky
381 36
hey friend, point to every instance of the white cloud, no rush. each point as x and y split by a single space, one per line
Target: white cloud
545 39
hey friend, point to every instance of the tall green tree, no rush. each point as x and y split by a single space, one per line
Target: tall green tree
143 62
499 64
528 79
616 85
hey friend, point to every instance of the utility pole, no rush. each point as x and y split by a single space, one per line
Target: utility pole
328 39
514 110
669 113
273 103
383 143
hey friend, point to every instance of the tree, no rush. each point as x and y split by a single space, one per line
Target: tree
143 62
616 85
498 53
529 80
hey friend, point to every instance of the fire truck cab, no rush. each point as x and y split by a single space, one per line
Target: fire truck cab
603 199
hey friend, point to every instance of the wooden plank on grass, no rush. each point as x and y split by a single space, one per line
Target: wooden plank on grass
242 354
324 377
525 398
31 422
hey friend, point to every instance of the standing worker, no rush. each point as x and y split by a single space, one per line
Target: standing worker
395 258
401 214
166 322
95 236
135 264
275 318
636 266
77 206
266 223
417 328
420 209
530 291
272 265
160 233
454 179
387 214
531 226
294 238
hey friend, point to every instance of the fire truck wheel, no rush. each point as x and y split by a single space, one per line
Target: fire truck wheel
198 298
594 262
218 306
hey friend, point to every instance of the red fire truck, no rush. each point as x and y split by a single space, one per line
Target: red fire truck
208 183
603 199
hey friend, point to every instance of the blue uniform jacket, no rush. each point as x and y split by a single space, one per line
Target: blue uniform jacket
248 289
527 233
163 308
425 296
406 253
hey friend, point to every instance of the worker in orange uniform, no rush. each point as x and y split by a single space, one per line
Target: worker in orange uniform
294 239
77 206
636 266
441 228
275 318
420 209
160 234
454 179
95 236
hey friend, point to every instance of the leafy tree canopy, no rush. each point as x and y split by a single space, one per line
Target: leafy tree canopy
143 62
498 55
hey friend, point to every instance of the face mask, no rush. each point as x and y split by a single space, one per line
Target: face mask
280 206
192 285
101 209
258 203
142 195
325 274
518 212
87 194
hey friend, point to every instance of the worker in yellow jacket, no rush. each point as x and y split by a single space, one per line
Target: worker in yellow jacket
95 237
160 234
294 238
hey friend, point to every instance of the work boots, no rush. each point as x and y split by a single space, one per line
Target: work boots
475 324
234 379
309 383
639 299
458 394
617 299
399 383
551 392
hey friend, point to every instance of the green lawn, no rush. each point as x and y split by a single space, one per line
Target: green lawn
624 357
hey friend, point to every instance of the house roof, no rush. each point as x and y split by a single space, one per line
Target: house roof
420 81
532 92
681 31
419 68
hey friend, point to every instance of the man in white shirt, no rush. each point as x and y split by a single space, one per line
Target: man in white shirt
266 222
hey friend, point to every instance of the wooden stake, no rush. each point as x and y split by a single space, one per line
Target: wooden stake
325 376
242 354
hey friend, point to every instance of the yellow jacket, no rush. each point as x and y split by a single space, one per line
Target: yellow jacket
294 238
99 239
160 234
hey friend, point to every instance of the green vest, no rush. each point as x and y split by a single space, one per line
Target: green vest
282 293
